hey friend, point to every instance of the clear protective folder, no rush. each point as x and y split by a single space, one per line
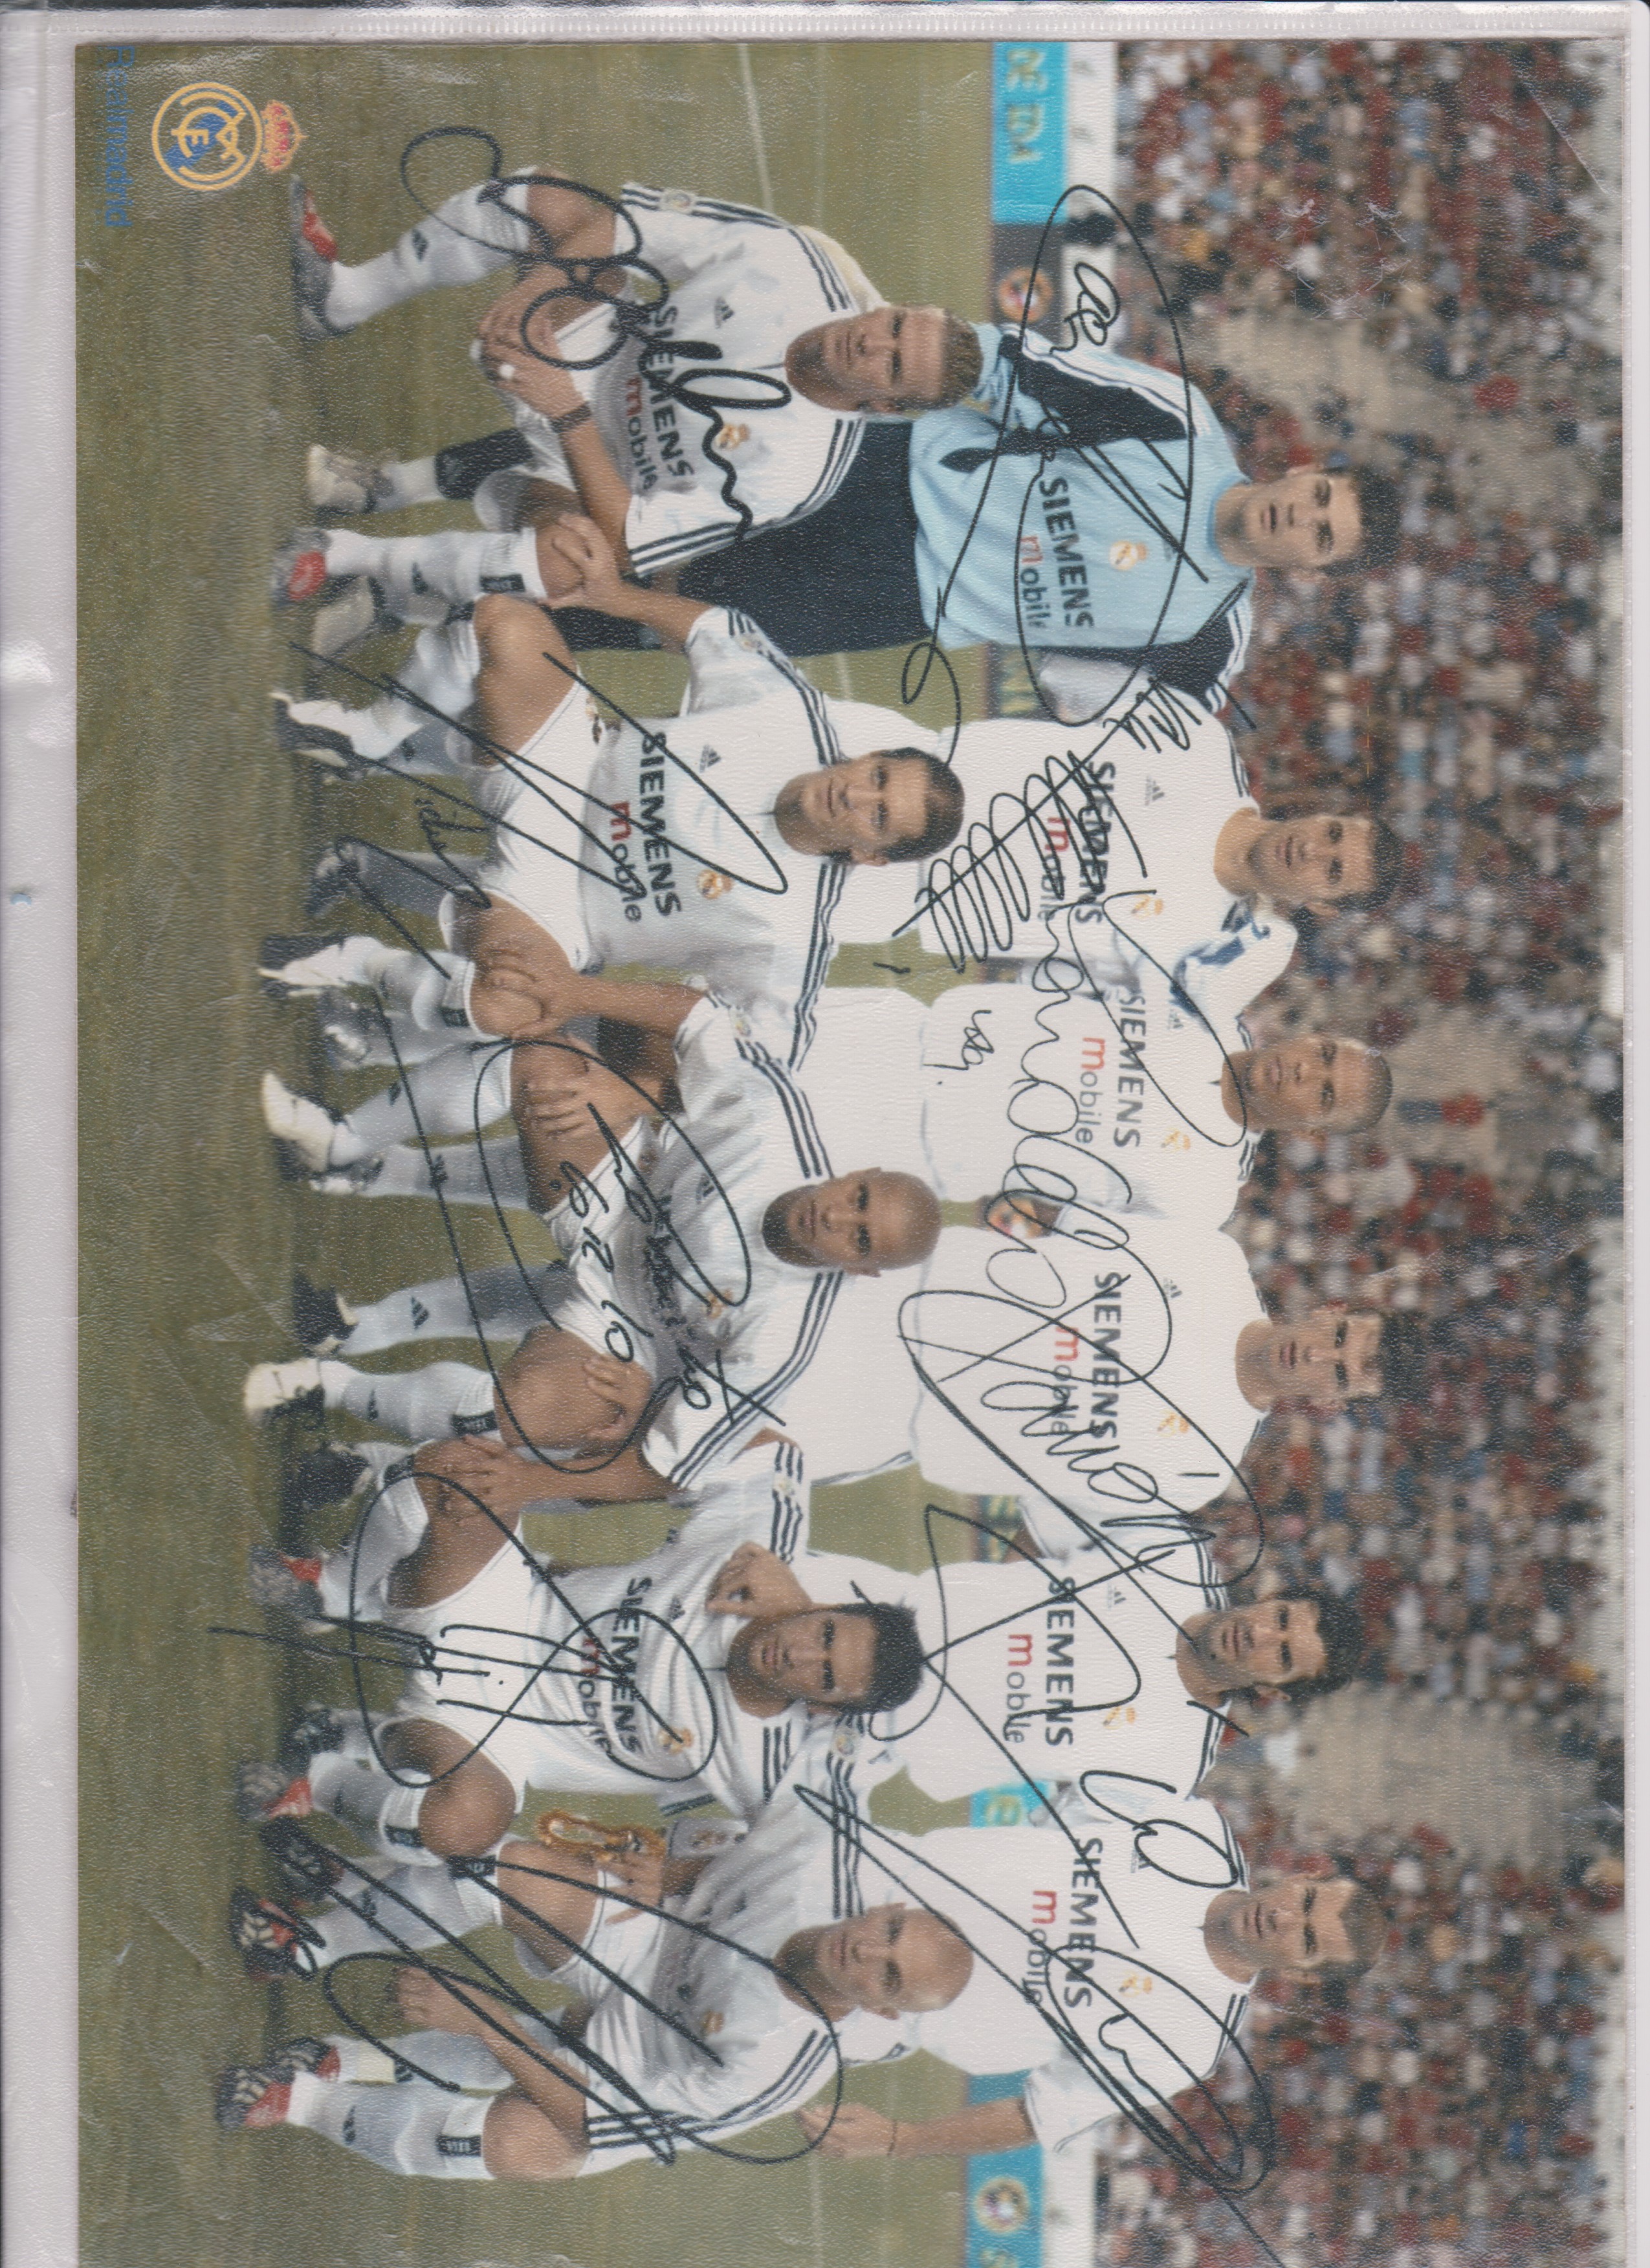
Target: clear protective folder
817 1224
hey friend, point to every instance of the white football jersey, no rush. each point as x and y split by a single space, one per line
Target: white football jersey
687 384
1091 1374
614 1678
1097 844
1041 1673
667 1259
1090 1972
736 2050
1109 1100
684 868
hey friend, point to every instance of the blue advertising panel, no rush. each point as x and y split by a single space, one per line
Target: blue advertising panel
1027 128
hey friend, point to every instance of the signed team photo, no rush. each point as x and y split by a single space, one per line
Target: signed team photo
851 1142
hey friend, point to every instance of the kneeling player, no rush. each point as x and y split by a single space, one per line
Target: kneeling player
703 1265
665 1677
734 1991
720 840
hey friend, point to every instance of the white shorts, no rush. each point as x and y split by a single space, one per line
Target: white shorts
538 808
484 1681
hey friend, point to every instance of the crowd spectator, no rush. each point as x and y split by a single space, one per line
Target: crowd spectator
1432 189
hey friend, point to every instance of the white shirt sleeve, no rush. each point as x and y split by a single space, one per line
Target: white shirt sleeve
1079 686
1061 2100
731 661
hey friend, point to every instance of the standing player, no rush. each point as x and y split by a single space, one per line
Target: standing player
1128 1100
1114 1951
704 1260
1107 1378
662 1677
686 371
719 842
1142 848
1078 503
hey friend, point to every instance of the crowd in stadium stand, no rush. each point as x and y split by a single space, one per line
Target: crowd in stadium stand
1432 190
1436 2111
1439 2113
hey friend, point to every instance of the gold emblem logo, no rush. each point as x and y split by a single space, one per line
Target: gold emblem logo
1128 554
711 2022
207 136
674 1742
1178 1139
714 885
1174 1425
730 436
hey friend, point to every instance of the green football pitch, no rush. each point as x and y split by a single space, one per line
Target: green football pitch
194 407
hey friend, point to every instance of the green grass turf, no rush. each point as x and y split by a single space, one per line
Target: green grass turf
194 407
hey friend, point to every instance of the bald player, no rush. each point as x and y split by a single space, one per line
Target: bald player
1114 1950
731 1990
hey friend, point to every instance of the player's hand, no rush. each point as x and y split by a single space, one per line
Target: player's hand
641 1873
558 1110
521 363
588 557
627 1387
1024 1219
486 1470
856 2132
757 1581
543 991
431 2006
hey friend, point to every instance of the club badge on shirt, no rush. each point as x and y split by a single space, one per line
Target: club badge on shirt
1127 554
712 884
729 436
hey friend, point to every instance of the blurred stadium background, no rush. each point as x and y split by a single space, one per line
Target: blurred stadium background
1409 251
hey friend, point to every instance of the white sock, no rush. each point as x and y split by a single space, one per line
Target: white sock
408 481
414 881
396 1040
461 2060
355 1578
442 1399
417 2129
429 987
499 1302
472 235
424 576
489 1173
409 1910
451 1094
381 1808
441 671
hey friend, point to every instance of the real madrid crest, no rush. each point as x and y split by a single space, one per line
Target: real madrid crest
713 884
1128 554
206 136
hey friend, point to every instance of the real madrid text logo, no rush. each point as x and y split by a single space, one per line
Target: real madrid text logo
208 136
